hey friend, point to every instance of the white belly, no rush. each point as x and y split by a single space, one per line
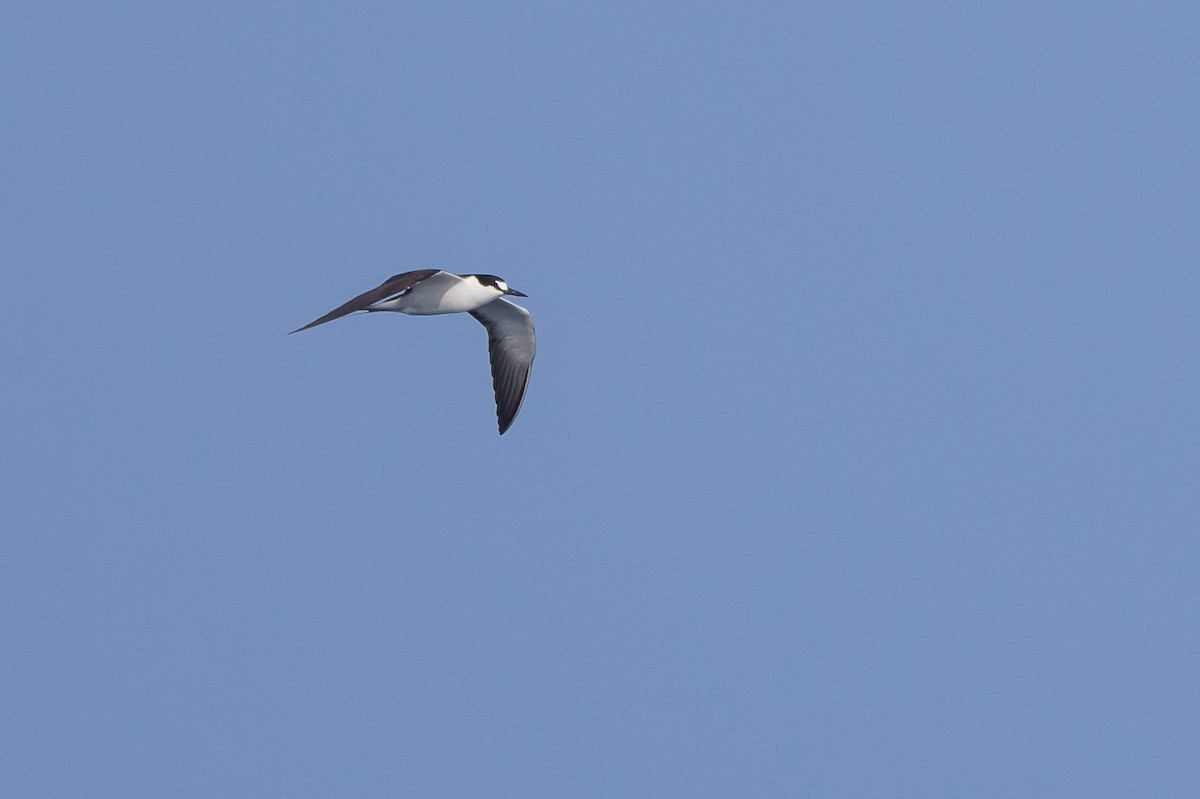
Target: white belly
442 293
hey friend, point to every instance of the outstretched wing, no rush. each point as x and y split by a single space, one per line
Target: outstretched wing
394 285
511 347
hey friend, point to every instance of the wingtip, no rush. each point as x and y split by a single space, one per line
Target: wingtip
306 327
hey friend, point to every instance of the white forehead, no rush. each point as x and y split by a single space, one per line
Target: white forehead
501 285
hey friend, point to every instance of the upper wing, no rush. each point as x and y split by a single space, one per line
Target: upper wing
390 287
511 347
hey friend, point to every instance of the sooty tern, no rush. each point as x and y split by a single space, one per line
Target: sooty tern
425 292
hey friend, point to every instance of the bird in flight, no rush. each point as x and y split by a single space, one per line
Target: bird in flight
425 292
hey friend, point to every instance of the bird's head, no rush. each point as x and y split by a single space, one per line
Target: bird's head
498 284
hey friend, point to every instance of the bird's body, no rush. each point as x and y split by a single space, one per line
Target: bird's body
512 344
441 293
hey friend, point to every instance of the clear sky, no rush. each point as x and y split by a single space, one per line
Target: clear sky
861 455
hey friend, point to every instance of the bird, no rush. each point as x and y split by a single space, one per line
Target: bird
425 292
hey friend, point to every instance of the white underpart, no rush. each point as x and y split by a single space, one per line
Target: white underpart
441 293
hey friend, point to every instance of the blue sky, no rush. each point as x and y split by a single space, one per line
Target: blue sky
860 456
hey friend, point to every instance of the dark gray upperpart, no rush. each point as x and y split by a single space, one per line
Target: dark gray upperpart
396 284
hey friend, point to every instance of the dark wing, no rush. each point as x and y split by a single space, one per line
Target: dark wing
511 347
389 288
